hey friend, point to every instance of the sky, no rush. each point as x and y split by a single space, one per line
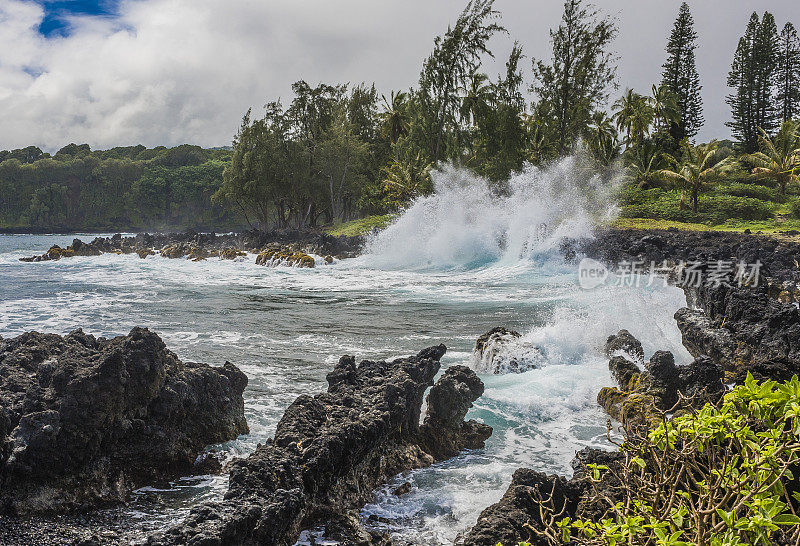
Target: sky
168 72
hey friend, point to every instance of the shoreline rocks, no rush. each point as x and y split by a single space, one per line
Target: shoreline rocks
286 247
85 420
331 451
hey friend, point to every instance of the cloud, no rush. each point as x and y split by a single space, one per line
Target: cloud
175 71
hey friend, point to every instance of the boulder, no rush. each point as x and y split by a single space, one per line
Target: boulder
85 420
501 350
624 342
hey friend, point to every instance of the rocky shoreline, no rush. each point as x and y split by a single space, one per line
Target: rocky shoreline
277 247
331 451
729 330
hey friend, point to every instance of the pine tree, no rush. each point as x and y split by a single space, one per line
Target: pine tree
753 76
582 71
680 76
765 62
789 73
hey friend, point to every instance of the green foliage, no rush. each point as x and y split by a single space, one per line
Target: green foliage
713 209
121 188
716 476
794 206
681 79
578 78
363 226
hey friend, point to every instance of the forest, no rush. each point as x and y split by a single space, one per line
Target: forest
337 152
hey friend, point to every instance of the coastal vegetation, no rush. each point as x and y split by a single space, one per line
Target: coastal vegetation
339 152
720 475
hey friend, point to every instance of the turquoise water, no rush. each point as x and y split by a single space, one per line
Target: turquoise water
454 266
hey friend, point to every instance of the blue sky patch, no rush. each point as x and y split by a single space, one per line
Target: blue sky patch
57 12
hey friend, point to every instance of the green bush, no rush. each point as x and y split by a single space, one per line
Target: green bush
754 191
719 476
795 208
712 208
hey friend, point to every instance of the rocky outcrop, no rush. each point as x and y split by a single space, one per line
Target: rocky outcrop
624 342
642 396
85 420
332 450
501 350
200 246
742 329
284 256
517 516
778 257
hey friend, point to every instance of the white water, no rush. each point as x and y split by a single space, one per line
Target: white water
454 265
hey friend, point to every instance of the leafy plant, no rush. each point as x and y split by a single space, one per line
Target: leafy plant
717 476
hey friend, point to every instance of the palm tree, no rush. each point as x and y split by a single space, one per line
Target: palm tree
406 178
643 166
698 167
395 116
539 148
477 99
602 139
665 106
634 115
779 158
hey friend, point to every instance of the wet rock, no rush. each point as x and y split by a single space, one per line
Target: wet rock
282 256
332 450
84 420
624 372
444 433
402 490
664 379
510 520
501 350
624 342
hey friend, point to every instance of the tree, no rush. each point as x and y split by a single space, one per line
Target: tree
634 115
581 72
341 159
394 118
752 76
406 178
455 58
643 167
698 167
665 107
681 78
779 158
601 140
789 73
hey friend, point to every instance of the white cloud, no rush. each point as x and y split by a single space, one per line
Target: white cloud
174 71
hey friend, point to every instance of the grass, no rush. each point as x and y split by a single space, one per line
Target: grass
763 226
362 226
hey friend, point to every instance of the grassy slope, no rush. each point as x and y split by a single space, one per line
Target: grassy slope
361 226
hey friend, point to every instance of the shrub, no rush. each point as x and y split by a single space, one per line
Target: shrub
712 208
795 208
754 191
717 476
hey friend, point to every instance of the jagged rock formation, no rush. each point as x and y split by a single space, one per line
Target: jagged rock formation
780 258
332 450
743 330
85 420
516 516
501 350
643 396
284 256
